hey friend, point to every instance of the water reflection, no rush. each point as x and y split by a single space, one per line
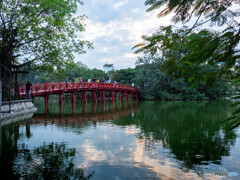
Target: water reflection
192 131
165 140
48 161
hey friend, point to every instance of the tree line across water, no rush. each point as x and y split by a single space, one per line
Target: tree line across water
147 75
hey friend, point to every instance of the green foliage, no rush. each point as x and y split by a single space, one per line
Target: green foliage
215 11
43 32
124 76
202 55
70 71
155 82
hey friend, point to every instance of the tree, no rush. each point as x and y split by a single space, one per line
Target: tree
43 32
124 76
155 82
71 70
195 49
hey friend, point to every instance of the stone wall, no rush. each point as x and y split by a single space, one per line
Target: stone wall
19 109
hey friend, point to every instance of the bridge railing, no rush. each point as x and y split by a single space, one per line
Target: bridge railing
49 87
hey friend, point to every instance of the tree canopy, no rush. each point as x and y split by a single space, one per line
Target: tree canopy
187 50
43 32
72 70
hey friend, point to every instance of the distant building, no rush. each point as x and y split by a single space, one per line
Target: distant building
108 67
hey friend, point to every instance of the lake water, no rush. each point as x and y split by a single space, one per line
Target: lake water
145 140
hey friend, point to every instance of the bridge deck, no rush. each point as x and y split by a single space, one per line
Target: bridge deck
61 88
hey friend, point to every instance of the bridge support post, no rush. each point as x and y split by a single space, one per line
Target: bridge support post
131 96
46 99
46 103
73 108
120 105
137 97
112 96
60 99
73 97
95 96
103 96
126 96
60 108
120 96
85 96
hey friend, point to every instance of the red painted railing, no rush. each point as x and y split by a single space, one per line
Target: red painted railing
56 88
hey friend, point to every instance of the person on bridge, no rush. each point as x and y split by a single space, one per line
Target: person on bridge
94 79
28 87
101 81
73 80
80 80
66 80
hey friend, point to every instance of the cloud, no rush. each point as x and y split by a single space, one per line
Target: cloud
119 4
130 55
114 28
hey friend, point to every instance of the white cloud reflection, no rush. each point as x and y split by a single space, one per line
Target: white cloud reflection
125 151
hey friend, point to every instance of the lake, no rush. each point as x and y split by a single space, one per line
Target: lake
144 140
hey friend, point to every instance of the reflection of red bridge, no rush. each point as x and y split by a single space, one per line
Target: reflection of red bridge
61 88
82 119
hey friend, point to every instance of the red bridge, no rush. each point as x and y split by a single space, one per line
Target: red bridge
93 87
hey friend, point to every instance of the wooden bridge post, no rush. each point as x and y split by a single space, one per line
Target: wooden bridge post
82 97
126 96
103 107
46 102
73 97
60 108
136 96
103 95
46 99
131 96
120 105
85 96
60 98
120 96
112 96
95 96
73 108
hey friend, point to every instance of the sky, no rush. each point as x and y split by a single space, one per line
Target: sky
114 27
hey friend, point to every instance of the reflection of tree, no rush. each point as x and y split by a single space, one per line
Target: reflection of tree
191 130
49 161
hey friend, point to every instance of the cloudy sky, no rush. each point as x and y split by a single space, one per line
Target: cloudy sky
114 27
